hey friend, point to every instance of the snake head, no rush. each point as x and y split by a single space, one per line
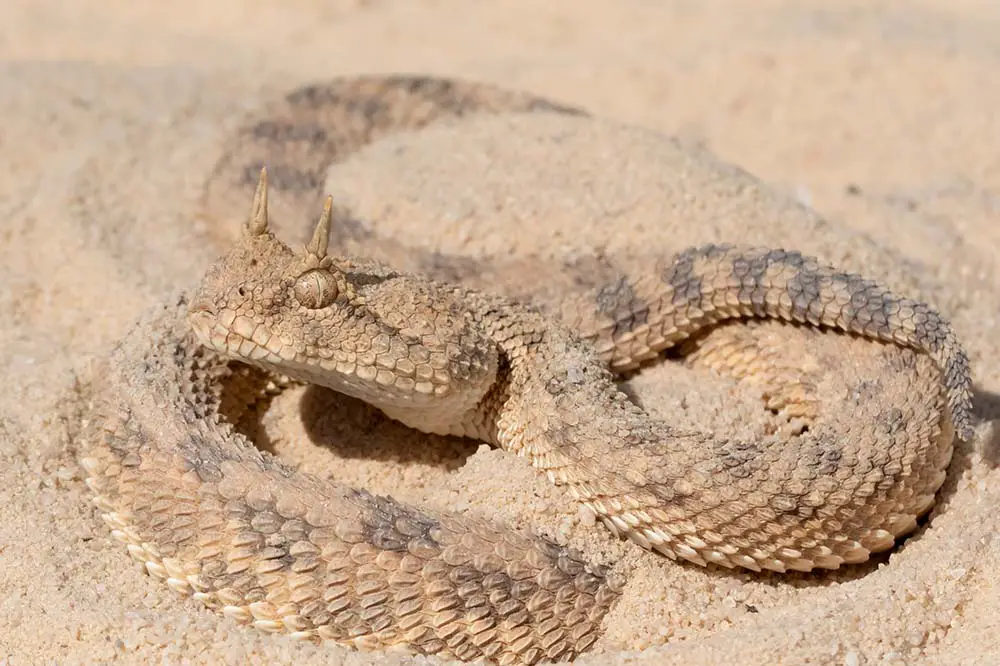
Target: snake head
346 323
263 303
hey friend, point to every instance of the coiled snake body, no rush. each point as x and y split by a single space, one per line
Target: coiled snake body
202 508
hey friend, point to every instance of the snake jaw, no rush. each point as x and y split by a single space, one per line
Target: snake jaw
252 345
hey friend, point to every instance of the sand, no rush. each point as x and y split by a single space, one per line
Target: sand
881 119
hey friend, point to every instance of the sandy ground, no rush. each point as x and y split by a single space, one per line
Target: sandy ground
882 117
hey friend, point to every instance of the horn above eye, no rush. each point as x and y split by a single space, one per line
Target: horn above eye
257 222
321 236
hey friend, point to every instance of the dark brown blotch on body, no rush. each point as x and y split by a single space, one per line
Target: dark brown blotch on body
740 459
868 307
679 275
805 291
824 457
390 525
618 301
751 273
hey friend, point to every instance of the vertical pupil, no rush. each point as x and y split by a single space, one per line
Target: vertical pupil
317 289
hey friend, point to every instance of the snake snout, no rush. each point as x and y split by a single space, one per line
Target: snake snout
203 317
201 305
202 310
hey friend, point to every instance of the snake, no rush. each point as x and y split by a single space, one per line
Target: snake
181 484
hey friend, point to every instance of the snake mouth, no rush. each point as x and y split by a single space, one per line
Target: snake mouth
236 337
208 331
202 317
201 308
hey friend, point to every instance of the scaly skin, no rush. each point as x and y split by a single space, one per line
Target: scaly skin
204 509
447 359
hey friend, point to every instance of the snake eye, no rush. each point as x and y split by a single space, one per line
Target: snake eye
316 289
